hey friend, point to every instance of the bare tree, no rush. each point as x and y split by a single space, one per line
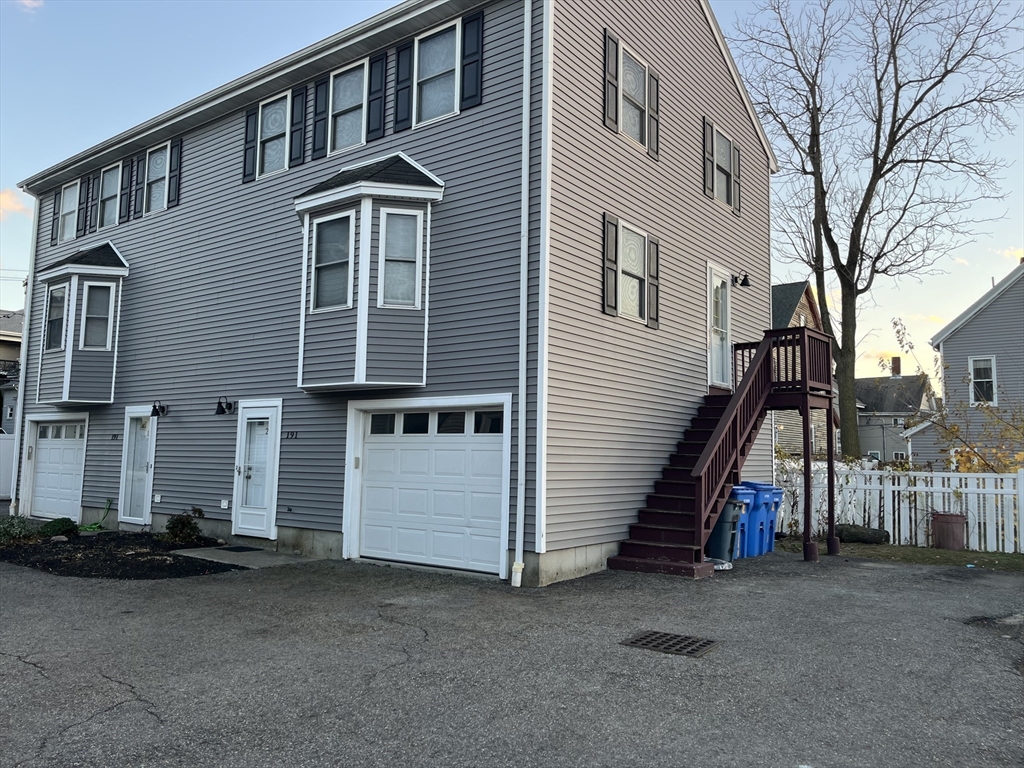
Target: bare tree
880 111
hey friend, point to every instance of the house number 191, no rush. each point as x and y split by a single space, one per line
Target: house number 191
291 435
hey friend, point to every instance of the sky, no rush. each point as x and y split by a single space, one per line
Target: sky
135 59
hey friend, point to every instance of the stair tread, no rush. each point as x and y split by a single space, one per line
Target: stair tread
665 544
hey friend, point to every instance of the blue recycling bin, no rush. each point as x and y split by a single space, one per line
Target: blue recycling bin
759 531
744 530
771 524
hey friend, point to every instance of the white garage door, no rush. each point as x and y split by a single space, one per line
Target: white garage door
432 488
59 458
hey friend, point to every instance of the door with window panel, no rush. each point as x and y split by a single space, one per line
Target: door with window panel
137 460
719 353
257 454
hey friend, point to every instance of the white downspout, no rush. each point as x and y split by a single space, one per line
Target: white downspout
524 286
23 363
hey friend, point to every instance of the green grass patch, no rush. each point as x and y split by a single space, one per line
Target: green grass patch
993 561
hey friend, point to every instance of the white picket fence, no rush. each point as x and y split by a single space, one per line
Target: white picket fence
902 503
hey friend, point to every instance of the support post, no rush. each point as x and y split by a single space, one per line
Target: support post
810 547
830 439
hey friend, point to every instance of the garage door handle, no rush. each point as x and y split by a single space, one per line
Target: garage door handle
30 453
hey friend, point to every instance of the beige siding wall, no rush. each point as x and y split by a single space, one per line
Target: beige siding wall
621 394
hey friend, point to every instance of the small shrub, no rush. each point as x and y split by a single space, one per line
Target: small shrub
62 526
14 528
183 528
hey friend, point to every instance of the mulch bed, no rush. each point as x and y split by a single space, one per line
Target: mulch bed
127 556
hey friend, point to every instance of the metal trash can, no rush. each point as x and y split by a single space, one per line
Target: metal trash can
722 542
949 531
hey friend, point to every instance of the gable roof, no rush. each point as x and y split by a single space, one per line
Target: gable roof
785 298
889 394
104 255
991 295
12 321
396 169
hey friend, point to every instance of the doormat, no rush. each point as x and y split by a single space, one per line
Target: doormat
665 642
240 549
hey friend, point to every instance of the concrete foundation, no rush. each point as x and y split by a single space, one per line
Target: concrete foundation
92 515
562 564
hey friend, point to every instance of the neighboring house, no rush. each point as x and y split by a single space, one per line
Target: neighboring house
982 353
886 404
409 293
793 306
11 323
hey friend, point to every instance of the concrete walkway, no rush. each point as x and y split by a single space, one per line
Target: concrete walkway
843 663
252 558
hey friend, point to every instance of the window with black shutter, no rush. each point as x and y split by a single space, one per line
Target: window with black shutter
375 94
297 131
721 167
632 95
631 272
472 60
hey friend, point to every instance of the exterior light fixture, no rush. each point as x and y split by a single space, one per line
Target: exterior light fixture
224 406
159 409
742 282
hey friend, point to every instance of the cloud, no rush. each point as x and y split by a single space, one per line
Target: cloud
1012 253
965 262
29 5
11 203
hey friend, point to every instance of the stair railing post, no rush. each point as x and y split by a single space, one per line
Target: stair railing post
830 442
810 548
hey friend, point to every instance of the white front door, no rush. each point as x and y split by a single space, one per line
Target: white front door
256 464
137 460
720 363
58 459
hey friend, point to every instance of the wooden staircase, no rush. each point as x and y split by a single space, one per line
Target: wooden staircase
788 369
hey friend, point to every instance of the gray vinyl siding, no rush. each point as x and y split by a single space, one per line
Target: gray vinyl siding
92 370
8 399
930 450
211 305
394 337
622 394
877 433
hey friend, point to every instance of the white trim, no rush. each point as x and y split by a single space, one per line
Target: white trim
351 216
46 318
457 60
28 467
66 270
287 96
908 433
644 291
645 124
715 271
117 337
367 189
86 285
773 164
715 130
381 261
302 308
74 210
991 295
117 197
994 402
355 437
330 106
426 292
273 464
146 211
30 287
363 305
69 335
541 500
135 412
336 385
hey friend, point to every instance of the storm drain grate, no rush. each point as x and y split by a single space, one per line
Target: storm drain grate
239 549
666 642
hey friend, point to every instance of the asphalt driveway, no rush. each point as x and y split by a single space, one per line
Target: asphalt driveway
844 663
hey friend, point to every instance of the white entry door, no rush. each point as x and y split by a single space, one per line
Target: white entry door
433 488
58 458
138 456
720 362
256 465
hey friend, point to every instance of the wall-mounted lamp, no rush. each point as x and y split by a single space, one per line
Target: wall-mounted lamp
159 409
224 406
742 282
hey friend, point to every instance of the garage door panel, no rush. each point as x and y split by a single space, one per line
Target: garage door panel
412 542
379 500
487 464
415 461
483 550
485 508
377 539
449 463
59 454
380 461
413 501
449 505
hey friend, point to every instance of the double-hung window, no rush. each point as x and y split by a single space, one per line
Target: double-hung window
273 135
632 274
723 167
110 185
55 310
68 212
437 74
401 258
157 166
348 106
634 98
983 380
97 310
333 244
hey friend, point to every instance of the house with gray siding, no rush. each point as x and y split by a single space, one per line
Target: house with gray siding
982 353
886 405
444 288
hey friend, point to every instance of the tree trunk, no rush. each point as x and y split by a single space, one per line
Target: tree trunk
846 361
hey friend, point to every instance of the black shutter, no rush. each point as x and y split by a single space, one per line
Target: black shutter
55 221
321 107
611 265
652 282
249 156
124 206
472 60
709 158
403 87
297 140
139 186
653 120
81 221
174 174
736 180
611 81
375 97
94 201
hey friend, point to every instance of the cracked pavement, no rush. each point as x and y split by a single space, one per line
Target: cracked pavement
843 663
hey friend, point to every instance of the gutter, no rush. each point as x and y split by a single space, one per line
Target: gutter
25 337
